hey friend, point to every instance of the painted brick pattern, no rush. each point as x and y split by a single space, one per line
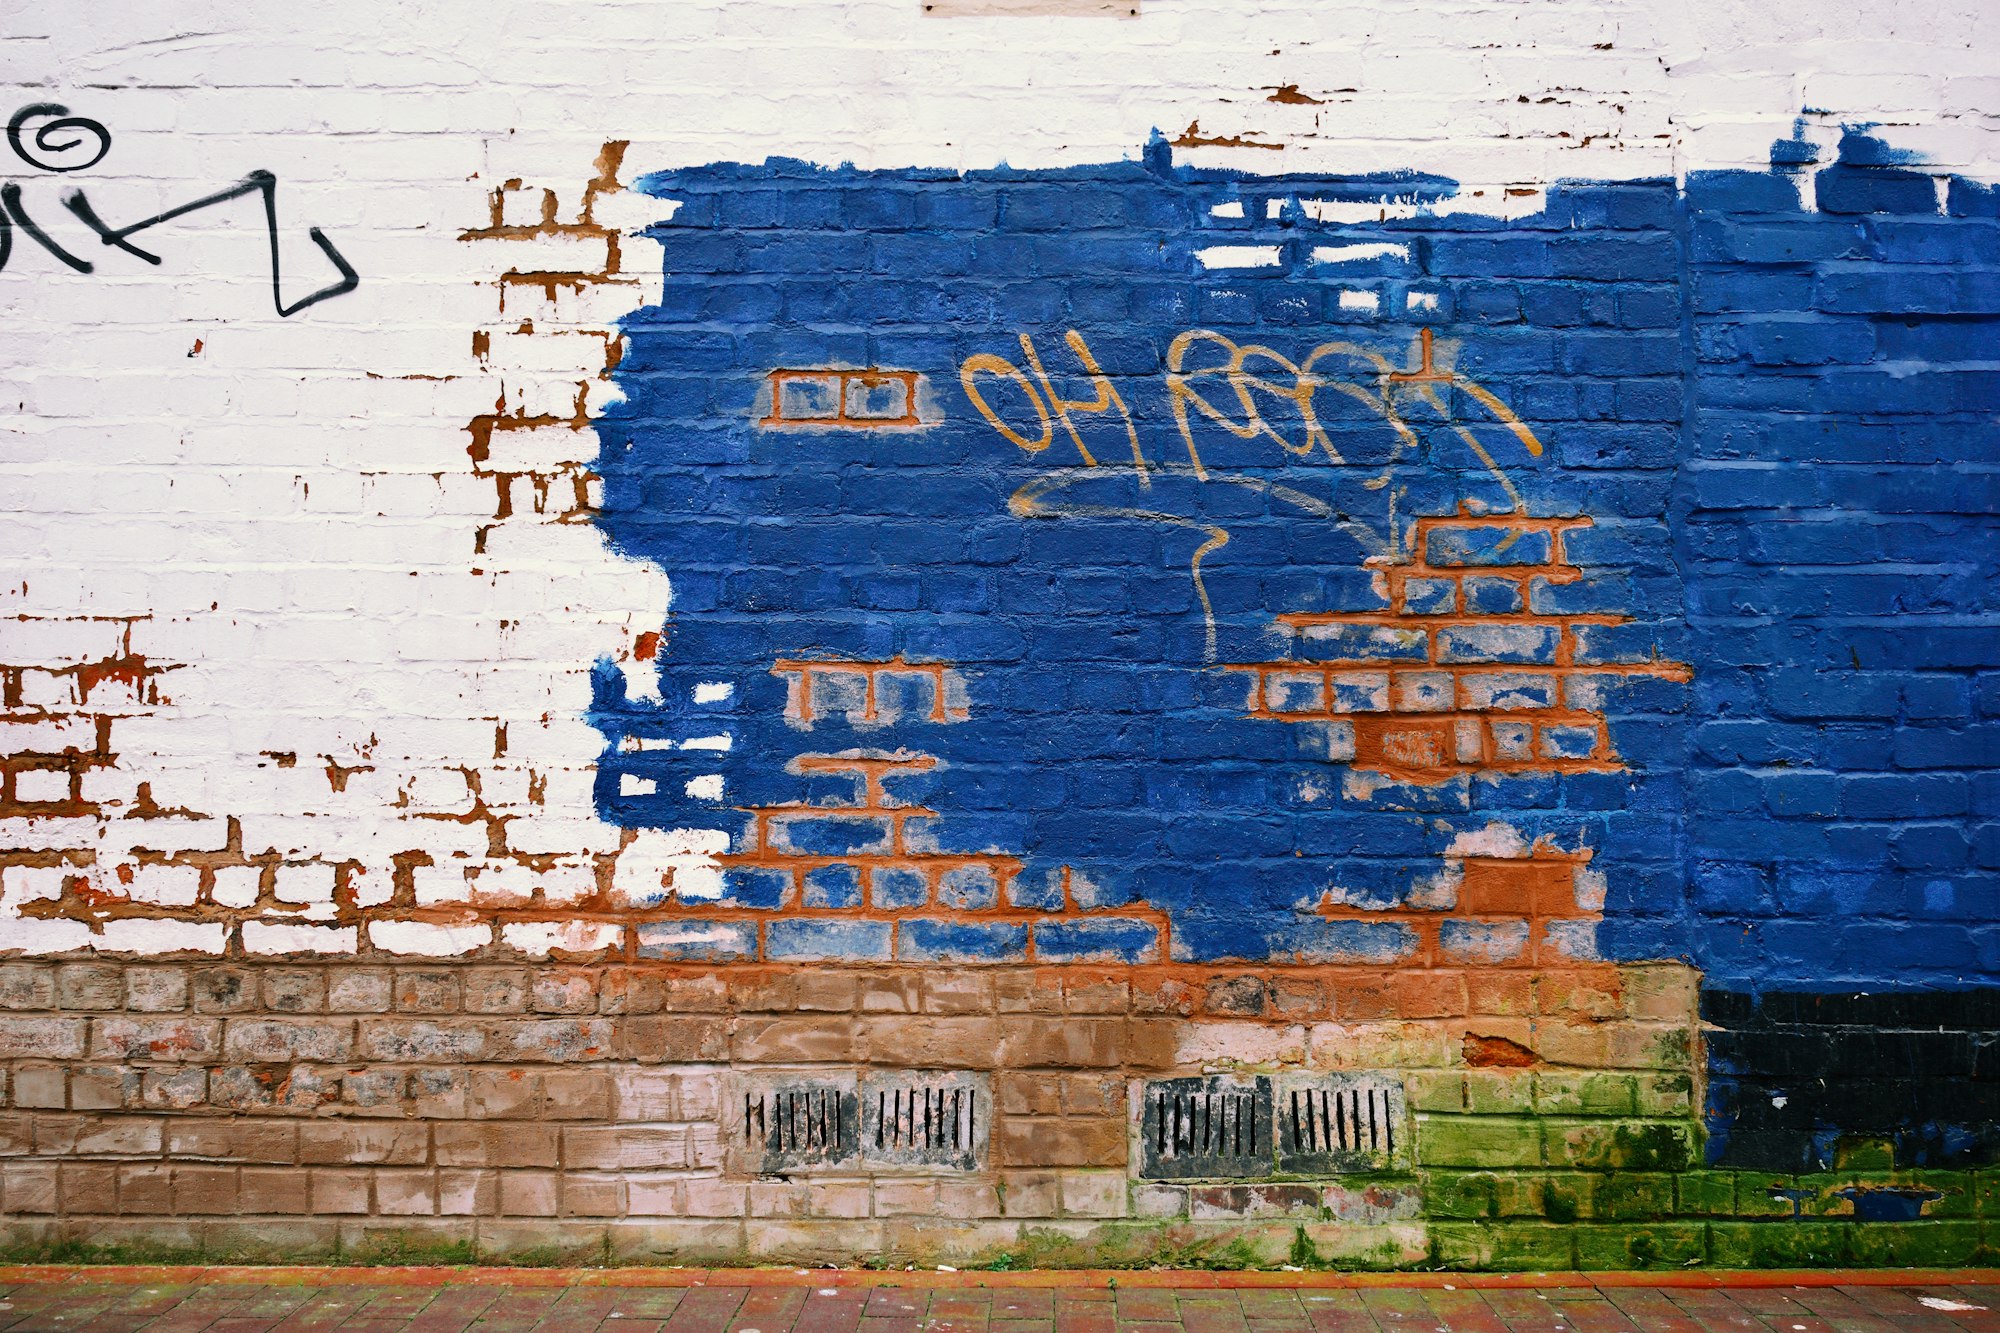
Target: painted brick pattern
291 1105
1471 668
378 868
1840 507
106 864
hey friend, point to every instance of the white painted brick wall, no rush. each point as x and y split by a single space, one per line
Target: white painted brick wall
290 511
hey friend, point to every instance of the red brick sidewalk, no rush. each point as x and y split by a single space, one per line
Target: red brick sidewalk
360 1300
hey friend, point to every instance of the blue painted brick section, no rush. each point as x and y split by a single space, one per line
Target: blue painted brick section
1778 417
830 835
922 941
698 941
1098 941
1497 643
1486 546
746 887
826 940
897 887
833 886
1833 339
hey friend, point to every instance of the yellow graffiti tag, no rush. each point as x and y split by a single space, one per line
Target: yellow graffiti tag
1210 376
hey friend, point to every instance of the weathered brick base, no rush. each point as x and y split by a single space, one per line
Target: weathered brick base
260 1107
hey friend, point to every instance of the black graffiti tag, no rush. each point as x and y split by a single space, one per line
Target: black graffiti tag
48 138
52 147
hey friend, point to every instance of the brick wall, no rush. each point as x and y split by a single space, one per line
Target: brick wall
306 1107
1435 562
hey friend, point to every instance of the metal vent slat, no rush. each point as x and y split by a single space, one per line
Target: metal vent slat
901 1119
1288 1124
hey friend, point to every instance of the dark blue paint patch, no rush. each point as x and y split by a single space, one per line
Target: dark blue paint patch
1887 1203
1779 419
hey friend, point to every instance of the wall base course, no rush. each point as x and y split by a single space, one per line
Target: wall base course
582 1111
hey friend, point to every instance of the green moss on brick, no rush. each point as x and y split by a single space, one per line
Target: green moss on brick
1654 1245
1705 1193
1460 1245
1629 1145
1956 1192
1779 1244
1663 1094
1522 1194
1460 1194
1585 1094
1754 1198
1499 1092
1913 1244
1985 1191
1864 1154
1532 1245
1478 1141
1436 1091
1631 1196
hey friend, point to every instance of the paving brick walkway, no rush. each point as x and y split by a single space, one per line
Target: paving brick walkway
489 1301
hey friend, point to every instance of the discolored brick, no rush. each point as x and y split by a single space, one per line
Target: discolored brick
358 991
564 991
90 986
156 989
27 986
295 991
426 991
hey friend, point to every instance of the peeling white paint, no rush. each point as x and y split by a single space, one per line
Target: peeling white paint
265 937
1353 254
1238 256
538 939
1496 839
427 938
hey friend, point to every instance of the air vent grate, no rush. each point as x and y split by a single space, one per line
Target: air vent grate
1291 1124
925 1119
798 1120
1337 1120
1330 1123
1196 1127
922 1118
792 1122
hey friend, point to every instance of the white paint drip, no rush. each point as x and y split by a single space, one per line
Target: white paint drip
425 938
1367 210
538 939
1496 839
1353 254
1238 256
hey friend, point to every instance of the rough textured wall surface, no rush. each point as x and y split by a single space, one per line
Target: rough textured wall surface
1239 634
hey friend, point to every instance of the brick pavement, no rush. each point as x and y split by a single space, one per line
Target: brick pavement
169 1300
